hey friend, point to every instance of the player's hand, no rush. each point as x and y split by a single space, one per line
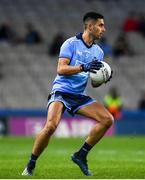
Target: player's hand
93 65
110 76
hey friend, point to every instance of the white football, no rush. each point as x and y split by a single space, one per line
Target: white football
102 75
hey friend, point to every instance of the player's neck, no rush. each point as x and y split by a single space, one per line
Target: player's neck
88 39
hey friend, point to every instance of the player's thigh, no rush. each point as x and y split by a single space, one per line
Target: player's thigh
54 113
97 112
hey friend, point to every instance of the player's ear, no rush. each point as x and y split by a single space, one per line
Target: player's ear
88 25
91 24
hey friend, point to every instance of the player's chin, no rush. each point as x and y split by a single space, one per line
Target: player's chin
97 38
100 36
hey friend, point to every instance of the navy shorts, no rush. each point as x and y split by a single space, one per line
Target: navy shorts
72 102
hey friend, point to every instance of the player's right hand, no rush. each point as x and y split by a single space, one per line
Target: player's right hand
93 65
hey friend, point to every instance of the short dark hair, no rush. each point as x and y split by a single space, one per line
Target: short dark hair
93 16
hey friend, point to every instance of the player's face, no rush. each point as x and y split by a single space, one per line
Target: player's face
98 28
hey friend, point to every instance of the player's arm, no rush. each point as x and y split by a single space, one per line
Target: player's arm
64 68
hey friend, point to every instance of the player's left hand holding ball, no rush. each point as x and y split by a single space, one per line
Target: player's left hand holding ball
110 76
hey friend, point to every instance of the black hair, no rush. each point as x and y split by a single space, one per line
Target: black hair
93 16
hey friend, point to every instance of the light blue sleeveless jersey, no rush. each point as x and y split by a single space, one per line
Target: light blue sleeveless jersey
78 52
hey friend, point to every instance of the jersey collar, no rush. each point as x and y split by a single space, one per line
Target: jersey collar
79 36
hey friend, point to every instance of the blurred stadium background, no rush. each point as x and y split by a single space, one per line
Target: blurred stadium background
27 71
